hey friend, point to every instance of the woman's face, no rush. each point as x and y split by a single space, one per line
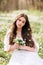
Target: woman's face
20 22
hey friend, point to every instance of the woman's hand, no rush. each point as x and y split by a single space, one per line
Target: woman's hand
27 48
13 47
16 45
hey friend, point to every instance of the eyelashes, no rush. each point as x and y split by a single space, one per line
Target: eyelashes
21 20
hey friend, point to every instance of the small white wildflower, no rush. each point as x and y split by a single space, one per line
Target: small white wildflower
23 41
19 41
28 34
29 39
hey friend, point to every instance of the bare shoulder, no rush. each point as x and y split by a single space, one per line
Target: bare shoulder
9 31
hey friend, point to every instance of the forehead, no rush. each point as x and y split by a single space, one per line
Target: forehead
23 19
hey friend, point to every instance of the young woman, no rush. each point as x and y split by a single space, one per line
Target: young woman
27 53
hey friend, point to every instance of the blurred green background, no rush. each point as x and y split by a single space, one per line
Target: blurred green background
9 9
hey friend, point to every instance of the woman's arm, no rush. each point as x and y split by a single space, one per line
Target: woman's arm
35 48
13 47
7 46
36 44
6 41
27 48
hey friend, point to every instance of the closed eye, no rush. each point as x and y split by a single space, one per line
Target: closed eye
19 19
23 22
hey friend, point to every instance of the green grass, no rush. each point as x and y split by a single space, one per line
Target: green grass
36 25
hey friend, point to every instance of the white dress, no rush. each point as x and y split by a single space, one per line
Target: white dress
22 57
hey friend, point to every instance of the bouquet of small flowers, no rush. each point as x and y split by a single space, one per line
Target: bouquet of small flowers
19 41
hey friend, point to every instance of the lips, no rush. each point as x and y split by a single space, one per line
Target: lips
19 25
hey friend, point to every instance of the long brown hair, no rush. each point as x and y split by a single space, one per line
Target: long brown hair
27 37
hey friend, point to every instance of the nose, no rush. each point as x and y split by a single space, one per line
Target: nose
20 22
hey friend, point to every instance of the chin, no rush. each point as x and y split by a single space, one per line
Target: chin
19 27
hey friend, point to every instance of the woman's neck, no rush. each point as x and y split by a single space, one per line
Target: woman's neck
19 33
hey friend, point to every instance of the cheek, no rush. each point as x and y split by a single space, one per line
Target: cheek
17 23
23 24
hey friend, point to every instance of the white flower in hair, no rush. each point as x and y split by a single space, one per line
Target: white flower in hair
25 39
28 28
27 34
29 39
